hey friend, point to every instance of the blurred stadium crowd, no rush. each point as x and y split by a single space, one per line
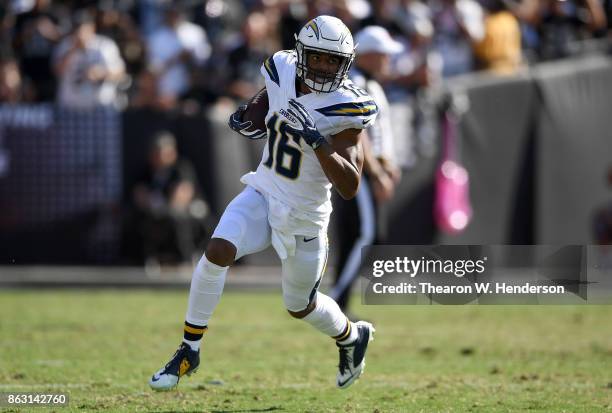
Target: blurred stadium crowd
186 55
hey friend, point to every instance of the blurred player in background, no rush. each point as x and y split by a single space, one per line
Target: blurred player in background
314 127
356 217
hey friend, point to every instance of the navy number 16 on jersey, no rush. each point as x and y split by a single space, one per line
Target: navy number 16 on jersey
286 159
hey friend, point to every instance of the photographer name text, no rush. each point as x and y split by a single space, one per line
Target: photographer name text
476 288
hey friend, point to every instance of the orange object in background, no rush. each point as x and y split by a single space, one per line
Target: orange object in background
500 50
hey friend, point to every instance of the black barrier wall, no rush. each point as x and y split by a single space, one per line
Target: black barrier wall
536 147
574 148
60 185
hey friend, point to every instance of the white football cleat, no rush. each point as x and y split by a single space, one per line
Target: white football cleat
352 355
184 362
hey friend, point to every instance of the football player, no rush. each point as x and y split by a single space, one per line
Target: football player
314 125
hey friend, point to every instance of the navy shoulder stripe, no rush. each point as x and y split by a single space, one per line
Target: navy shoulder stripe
350 109
271 69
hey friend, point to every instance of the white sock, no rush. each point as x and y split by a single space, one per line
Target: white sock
327 317
352 335
206 288
194 344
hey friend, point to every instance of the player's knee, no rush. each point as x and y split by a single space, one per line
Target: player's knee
302 313
220 252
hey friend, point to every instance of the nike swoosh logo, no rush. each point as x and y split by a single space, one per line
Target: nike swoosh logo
309 239
342 383
154 378
365 122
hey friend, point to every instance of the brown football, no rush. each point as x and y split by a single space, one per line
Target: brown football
257 109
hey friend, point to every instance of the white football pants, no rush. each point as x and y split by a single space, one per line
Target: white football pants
245 224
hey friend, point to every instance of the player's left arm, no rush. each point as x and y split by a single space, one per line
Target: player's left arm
342 161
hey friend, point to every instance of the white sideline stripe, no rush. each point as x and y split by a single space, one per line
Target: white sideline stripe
366 237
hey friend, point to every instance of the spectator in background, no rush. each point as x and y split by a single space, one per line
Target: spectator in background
413 17
145 94
36 33
414 67
117 24
173 50
12 89
526 11
458 25
244 60
293 17
500 49
89 66
225 22
414 71
221 18
560 24
383 14
607 6
171 214
150 14
348 11
6 26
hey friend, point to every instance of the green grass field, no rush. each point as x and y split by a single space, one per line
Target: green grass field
102 346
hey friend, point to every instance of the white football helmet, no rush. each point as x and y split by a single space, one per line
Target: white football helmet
324 34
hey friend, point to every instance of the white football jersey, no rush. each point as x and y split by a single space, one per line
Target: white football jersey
289 170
